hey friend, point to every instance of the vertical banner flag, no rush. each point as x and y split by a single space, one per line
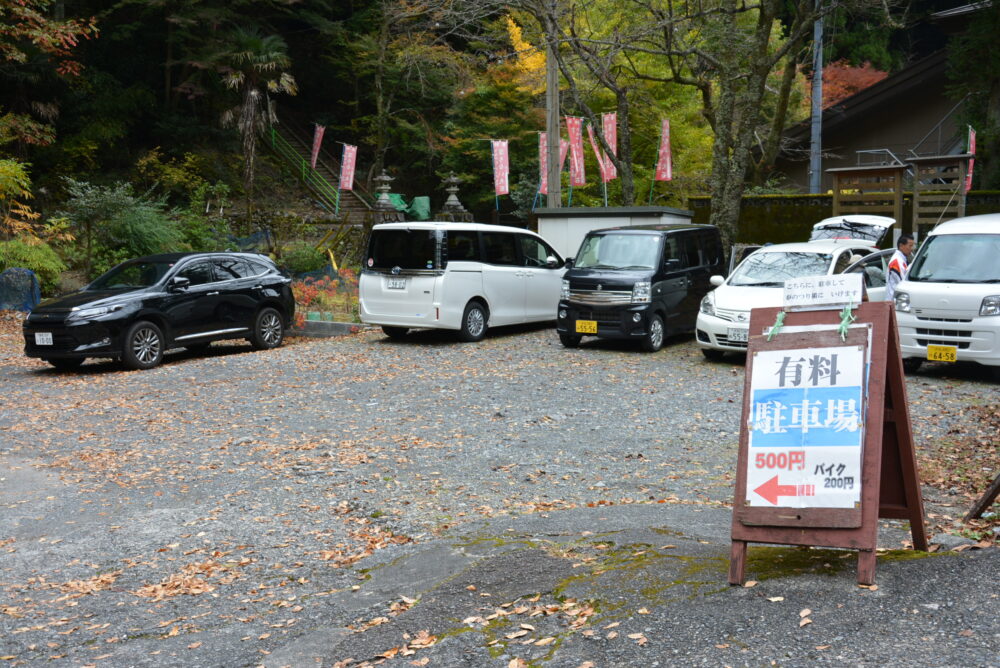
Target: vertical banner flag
664 165
317 140
609 124
602 157
347 167
577 175
543 163
543 160
501 167
972 160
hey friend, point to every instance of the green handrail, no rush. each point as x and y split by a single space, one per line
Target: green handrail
327 194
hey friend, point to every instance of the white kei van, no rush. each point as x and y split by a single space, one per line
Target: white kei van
948 306
461 276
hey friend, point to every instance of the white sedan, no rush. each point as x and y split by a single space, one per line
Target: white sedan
724 318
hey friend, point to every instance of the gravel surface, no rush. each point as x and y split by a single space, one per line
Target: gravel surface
243 508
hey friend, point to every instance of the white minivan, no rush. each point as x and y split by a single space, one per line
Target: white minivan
460 276
948 305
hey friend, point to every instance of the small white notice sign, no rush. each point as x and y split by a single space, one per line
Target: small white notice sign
814 293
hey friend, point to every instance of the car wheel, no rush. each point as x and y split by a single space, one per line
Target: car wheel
143 347
473 322
65 363
268 330
570 340
712 354
912 364
395 333
653 340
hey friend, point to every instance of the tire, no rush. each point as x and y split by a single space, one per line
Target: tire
912 364
395 333
712 354
653 340
570 340
143 346
268 330
474 321
65 363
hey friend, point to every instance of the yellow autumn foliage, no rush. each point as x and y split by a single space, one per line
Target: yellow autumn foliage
529 60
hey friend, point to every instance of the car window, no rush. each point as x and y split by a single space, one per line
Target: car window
499 248
619 251
690 254
259 267
533 251
771 268
874 271
463 245
231 268
843 261
198 273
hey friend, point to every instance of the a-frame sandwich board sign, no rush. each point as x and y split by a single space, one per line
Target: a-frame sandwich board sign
823 470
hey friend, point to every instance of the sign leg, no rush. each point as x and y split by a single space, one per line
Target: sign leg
738 562
866 567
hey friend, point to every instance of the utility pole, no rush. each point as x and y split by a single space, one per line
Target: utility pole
554 198
816 141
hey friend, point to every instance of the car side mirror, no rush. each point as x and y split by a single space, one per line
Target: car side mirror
568 262
716 280
551 262
672 264
178 284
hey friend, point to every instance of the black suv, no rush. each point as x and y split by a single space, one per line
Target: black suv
144 307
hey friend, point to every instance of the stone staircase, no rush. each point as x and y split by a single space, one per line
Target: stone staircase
294 146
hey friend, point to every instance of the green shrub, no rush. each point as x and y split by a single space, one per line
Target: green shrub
38 257
301 257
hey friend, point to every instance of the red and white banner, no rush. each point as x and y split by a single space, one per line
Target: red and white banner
609 124
598 153
317 140
347 165
543 160
664 164
501 167
577 172
972 160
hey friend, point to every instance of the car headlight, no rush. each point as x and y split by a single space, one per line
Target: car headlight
91 312
902 300
640 292
990 305
708 304
564 293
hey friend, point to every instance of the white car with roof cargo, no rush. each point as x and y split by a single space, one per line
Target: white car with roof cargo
948 305
458 276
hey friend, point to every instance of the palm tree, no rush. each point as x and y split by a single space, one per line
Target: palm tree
256 66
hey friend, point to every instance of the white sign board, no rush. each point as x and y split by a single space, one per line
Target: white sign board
813 293
806 427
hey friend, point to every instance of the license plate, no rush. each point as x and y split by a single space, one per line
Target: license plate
43 338
737 334
586 327
942 353
395 283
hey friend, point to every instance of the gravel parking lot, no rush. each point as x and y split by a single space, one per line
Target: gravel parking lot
243 508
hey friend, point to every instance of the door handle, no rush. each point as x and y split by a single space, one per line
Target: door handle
257 287
211 294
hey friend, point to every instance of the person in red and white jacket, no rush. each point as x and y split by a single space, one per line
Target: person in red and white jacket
898 265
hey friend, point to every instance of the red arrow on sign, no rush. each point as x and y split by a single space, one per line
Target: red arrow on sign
771 490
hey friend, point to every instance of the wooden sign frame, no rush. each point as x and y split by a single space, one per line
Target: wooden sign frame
890 484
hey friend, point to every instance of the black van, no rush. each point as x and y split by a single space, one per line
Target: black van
642 282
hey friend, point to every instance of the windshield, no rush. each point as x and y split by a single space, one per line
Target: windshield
618 251
958 258
771 269
132 275
406 249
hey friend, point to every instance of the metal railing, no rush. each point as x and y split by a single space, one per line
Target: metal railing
328 195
